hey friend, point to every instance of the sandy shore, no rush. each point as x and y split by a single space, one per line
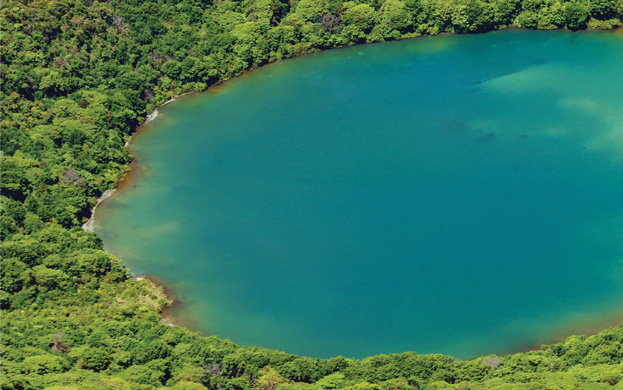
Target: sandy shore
155 112
89 226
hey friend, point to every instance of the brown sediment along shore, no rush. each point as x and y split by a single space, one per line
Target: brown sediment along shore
583 327
128 181
89 225
135 168
170 295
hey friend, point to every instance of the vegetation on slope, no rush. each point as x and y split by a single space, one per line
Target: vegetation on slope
79 76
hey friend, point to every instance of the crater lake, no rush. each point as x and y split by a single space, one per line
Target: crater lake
458 194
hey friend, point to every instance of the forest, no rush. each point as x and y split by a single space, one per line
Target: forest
79 76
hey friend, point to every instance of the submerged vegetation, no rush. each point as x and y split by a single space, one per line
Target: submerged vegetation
79 76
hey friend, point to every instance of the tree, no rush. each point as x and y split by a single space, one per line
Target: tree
269 379
603 9
576 16
310 10
88 358
359 21
332 382
394 20
171 69
44 364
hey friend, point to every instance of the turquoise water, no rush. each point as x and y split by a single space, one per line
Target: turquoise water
451 194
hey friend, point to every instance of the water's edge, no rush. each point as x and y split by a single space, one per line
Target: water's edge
587 328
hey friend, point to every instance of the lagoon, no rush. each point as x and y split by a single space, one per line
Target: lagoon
451 194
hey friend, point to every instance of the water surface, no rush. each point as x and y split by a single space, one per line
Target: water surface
452 194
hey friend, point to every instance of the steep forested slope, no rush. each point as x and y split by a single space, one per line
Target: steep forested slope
79 76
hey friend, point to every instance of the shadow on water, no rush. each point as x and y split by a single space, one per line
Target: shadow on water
486 138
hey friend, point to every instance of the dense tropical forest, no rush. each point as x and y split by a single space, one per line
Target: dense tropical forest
79 76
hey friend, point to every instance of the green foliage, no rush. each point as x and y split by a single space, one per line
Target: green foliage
604 9
310 10
576 16
333 381
44 364
78 77
359 19
269 379
395 19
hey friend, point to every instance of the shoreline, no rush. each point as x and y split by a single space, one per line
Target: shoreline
168 293
154 114
584 327
587 328
89 225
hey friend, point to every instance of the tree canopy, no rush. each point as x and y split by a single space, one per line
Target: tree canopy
79 76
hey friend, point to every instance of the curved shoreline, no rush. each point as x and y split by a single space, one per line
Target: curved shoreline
89 225
588 327
592 327
168 293
154 114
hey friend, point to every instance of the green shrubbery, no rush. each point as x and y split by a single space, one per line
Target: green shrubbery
79 76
